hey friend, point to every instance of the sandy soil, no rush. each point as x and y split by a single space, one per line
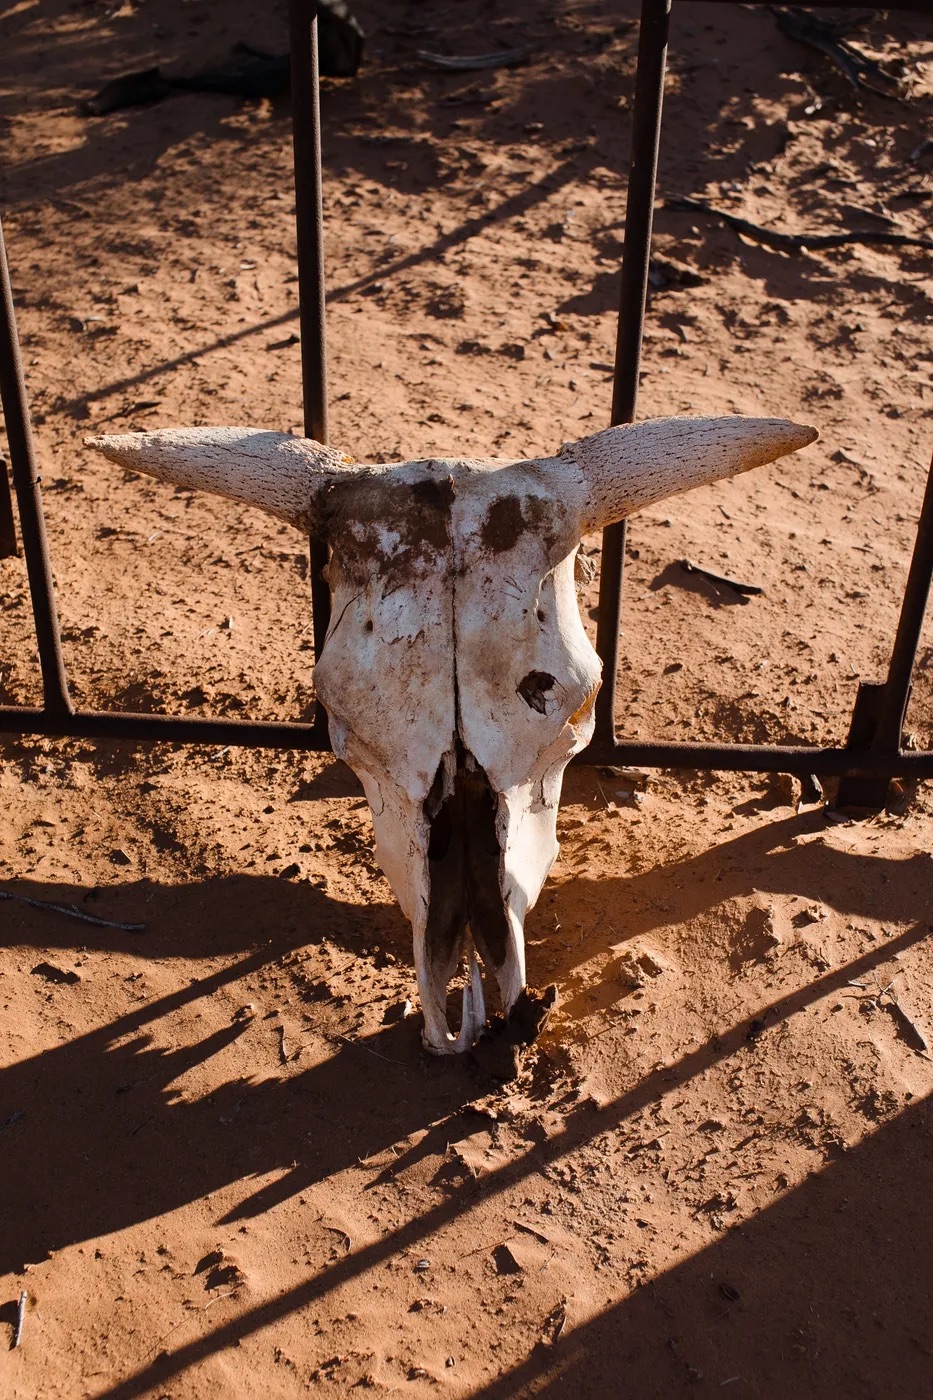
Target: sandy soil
227 1168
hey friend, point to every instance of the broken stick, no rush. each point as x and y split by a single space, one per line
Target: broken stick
797 242
745 589
828 39
20 1320
73 912
471 63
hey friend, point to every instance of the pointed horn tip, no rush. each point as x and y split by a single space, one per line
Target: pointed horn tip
111 443
803 434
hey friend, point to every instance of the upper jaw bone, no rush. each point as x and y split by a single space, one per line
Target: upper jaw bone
437 1037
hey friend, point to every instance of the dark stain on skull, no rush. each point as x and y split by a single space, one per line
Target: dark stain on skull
536 689
509 518
392 530
504 525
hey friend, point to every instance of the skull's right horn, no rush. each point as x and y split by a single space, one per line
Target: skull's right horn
630 467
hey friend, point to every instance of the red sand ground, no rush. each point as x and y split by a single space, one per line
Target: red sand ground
227 1168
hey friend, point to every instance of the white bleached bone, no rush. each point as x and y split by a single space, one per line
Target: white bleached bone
456 673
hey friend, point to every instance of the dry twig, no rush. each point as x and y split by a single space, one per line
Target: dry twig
73 912
797 242
20 1320
469 63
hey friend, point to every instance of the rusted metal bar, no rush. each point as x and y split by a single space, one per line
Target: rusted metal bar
881 709
29 501
309 215
909 626
762 758
752 758
7 523
636 253
178 729
309 221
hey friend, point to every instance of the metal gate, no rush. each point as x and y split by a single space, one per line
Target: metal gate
872 754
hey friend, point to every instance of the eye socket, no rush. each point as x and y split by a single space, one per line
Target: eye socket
536 689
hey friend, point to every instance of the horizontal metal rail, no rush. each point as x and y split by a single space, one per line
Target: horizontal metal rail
174 729
798 759
232 733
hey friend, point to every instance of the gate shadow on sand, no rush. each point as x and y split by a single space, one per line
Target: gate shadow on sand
104 1108
825 1294
823 1238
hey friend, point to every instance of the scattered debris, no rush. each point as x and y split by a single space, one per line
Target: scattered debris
798 242
632 777
400 1012
666 272
811 789
553 1326
51 973
250 73
220 1271
907 1029
745 589
636 967
504 58
827 37
501 1049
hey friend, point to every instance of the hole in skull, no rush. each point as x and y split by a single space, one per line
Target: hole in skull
535 689
368 627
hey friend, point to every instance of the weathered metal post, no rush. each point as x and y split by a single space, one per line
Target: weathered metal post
309 222
636 255
29 501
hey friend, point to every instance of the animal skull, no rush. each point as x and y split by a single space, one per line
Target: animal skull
456 673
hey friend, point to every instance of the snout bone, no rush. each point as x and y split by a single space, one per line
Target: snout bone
456 673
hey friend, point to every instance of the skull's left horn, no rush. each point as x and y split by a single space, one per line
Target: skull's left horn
630 467
278 473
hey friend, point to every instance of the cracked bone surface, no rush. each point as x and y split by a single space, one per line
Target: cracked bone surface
456 673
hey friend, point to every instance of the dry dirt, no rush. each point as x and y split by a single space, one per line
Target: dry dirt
227 1168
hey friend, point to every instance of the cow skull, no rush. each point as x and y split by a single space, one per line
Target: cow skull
456 673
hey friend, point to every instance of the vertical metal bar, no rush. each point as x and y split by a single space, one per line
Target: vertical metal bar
29 500
309 221
907 638
878 715
309 214
7 523
639 214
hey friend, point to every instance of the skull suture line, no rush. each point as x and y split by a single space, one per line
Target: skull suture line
456 672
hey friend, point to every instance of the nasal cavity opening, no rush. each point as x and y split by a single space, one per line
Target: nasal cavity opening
464 861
